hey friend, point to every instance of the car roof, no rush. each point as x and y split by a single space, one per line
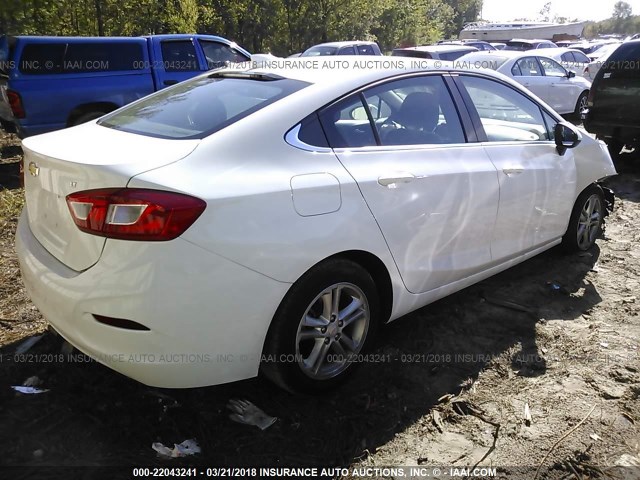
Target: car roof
439 48
343 43
502 56
528 40
49 38
556 51
492 54
353 69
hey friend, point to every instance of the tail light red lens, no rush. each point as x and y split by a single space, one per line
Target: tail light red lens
15 103
134 213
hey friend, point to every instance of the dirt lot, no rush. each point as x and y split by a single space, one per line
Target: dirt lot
558 336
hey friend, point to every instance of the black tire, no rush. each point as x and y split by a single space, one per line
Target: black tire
87 117
585 228
581 104
300 331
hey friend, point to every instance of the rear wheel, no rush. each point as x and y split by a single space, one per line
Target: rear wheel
585 224
581 104
325 321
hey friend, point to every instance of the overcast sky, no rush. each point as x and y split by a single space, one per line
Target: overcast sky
505 10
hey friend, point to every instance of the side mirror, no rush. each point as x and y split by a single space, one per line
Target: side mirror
566 136
571 74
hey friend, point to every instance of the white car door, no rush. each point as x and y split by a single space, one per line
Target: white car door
536 183
563 93
528 72
434 196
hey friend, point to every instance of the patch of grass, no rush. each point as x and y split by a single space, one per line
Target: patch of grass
11 202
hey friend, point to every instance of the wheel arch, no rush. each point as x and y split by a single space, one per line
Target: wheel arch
375 267
380 274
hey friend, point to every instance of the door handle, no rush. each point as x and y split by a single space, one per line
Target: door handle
395 178
170 82
512 171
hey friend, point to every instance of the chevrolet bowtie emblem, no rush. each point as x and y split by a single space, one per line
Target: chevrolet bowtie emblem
34 170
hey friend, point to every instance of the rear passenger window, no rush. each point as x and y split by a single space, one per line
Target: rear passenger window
506 114
366 50
103 57
179 56
526 67
410 111
217 54
311 132
347 125
422 112
42 58
347 51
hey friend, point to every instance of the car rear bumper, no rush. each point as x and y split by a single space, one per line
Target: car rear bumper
207 316
625 132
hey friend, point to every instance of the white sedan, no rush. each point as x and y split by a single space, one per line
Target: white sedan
571 59
270 220
545 77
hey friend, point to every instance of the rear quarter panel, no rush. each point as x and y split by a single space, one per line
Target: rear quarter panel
245 173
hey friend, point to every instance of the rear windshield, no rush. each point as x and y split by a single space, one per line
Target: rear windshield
518 46
626 57
200 106
449 56
62 57
399 52
320 51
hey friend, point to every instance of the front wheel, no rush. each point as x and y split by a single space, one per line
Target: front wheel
322 326
585 224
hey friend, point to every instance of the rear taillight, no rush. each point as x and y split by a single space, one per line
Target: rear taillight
134 213
15 102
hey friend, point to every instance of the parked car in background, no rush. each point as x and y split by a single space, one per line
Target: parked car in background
522 44
545 77
436 52
479 44
570 58
613 109
597 59
498 45
160 232
343 48
49 83
591 47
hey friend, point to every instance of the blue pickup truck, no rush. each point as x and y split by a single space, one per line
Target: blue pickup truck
48 83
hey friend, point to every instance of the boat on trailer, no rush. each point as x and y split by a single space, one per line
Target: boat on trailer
502 32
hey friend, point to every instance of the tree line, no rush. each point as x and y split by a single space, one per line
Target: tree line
281 27
622 21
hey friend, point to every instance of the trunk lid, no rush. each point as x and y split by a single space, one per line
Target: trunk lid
84 158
